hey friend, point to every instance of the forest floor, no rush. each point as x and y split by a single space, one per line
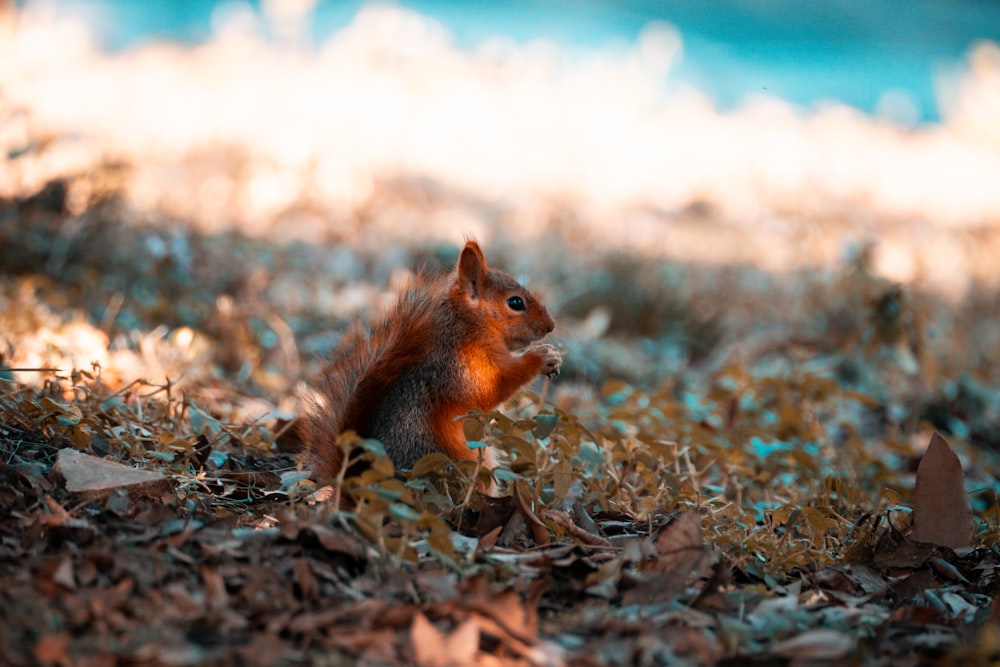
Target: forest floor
731 468
724 473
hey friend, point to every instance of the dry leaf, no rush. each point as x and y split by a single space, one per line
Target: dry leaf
56 514
539 531
63 574
214 585
83 472
815 645
463 643
679 544
306 579
427 641
942 514
433 649
679 559
51 649
489 540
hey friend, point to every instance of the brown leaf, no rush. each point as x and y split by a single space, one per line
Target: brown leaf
52 576
489 540
506 610
51 649
202 450
337 541
56 514
903 555
495 513
264 649
679 560
911 585
942 514
63 574
83 472
679 543
815 645
305 579
539 531
216 596
427 642
463 643
433 649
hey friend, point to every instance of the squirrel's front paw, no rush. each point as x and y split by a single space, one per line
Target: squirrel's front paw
551 358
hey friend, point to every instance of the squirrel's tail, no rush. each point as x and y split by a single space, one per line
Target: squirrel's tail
360 372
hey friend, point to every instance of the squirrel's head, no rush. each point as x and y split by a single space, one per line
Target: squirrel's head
500 302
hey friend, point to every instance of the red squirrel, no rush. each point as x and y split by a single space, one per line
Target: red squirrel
466 340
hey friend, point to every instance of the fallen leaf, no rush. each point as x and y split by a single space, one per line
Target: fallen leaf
679 543
83 472
911 585
463 643
264 649
942 514
63 574
679 559
906 554
306 579
427 642
337 541
216 596
51 649
489 540
433 649
539 531
56 514
815 645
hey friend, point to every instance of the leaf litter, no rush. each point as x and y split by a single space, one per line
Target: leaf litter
731 470
227 568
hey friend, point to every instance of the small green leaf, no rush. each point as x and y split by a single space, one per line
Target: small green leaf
403 512
590 454
544 425
506 475
374 446
112 402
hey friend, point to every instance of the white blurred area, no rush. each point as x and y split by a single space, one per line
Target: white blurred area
267 135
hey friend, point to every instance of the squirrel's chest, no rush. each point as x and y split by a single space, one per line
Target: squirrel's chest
480 370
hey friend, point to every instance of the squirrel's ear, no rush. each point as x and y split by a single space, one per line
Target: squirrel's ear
472 269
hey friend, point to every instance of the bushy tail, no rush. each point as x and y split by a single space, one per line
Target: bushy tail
361 370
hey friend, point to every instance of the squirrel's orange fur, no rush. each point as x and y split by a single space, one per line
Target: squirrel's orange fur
463 341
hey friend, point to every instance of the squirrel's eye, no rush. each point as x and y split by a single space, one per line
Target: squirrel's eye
515 303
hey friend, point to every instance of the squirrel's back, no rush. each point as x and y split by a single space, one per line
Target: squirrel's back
448 345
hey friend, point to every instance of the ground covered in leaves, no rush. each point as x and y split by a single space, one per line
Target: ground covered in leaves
715 478
737 465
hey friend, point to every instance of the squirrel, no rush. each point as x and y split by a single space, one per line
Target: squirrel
468 339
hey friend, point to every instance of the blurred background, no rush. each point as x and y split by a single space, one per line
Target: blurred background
676 171
649 124
882 57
